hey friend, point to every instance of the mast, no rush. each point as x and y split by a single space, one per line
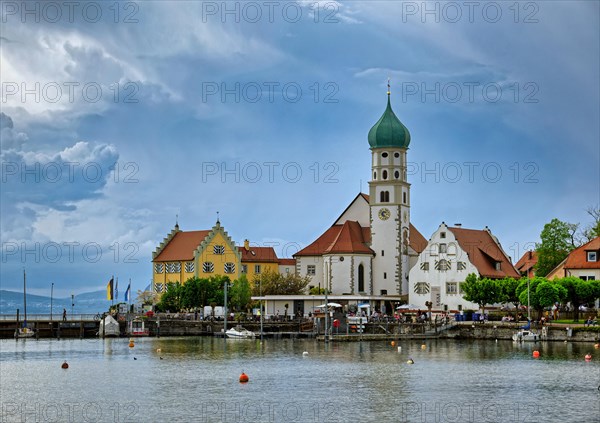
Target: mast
24 299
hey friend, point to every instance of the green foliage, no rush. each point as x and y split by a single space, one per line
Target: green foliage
315 290
578 292
481 291
508 291
171 299
557 242
542 293
274 283
240 293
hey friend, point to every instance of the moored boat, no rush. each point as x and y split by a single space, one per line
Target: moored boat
239 332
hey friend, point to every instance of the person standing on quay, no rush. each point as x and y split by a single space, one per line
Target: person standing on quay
64 314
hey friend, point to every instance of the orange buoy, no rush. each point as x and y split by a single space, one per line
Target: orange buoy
131 345
393 343
65 365
536 354
243 378
588 357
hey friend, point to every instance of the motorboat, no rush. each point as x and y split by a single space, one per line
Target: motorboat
109 327
525 335
24 332
239 332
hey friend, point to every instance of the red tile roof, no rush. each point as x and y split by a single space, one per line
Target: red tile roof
483 253
526 263
415 240
287 262
182 246
258 254
577 259
347 238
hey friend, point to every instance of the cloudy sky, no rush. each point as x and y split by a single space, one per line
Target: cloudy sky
115 119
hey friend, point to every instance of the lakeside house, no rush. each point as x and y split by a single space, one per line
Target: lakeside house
451 254
526 264
583 262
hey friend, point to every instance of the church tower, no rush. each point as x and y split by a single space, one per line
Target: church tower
389 198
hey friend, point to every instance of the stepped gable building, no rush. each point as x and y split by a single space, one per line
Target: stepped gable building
183 255
451 254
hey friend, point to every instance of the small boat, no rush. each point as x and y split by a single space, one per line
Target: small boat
239 332
137 327
24 331
525 336
109 327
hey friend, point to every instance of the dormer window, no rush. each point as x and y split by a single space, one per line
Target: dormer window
498 265
592 256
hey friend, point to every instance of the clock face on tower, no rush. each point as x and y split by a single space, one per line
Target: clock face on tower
384 214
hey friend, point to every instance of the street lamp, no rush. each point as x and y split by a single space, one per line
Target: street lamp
51 297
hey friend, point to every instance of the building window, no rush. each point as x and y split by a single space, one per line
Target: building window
219 249
158 267
592 256
461 265
442 234
174 267
257 268
311 270
375 175
361 278
421 288
451 288
244 268
208 267
341 258
404 197
229 267
287 270
396 174
158 287
498 265
425 265
384 155
396 155
442 265
587 278
384 275
442 248
189 266
382 253
384 175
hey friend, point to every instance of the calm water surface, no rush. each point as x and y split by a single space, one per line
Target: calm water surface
197 381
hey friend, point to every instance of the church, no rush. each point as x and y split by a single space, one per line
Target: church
367 254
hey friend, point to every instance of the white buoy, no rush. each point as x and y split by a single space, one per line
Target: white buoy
305 353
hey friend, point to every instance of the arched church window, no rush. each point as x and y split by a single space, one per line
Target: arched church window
374 175
382 197
384 175
404 197
396 174
386 196
361 278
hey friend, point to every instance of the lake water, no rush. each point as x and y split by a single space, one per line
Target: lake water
197 381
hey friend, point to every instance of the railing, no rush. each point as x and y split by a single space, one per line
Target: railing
55 317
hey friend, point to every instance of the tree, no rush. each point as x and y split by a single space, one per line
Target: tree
508 291
578 292
592 230
241 293
542 293
481 291
274 283
145 297
557 242
171 299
